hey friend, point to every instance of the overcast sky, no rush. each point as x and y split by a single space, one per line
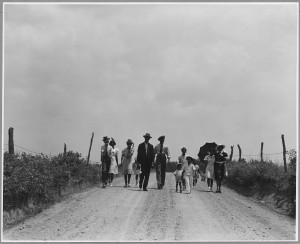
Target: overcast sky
195 73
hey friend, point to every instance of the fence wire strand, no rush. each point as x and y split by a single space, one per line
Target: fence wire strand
265 154
49 155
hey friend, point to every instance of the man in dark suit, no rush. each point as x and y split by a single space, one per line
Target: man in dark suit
145 156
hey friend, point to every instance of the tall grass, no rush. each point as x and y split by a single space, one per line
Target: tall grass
261 176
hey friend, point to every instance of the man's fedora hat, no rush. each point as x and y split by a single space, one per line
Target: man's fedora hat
105 139
147 135
161 138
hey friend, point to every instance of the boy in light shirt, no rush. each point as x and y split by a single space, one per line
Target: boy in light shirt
188 170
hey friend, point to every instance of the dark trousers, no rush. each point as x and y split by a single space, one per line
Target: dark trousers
144 178
160 174
163 173
105 170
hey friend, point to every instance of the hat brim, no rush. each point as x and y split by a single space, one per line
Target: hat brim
220 146
147 136
187 158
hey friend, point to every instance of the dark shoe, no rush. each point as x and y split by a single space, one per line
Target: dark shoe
145 189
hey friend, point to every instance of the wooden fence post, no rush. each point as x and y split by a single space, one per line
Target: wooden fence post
240 152
65 149
284 153
261 152
88 159
11 149
231 153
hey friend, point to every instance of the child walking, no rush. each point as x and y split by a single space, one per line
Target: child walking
137 171
182 160
188 170
195 173
178 177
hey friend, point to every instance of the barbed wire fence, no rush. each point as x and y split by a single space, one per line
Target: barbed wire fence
262 156
20 150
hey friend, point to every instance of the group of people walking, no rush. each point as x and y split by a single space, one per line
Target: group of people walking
187 171
147 158
215 167
186 174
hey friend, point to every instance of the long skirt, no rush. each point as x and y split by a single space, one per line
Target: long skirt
219 168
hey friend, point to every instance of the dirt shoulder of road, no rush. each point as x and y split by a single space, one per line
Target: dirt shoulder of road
268 197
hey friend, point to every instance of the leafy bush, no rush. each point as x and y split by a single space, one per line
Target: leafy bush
261 175
39 178
25 177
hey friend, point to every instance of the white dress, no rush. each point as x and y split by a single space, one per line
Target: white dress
127 161
210 172
113 165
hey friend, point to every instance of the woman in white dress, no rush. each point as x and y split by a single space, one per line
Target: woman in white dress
127 162
209 171
113 170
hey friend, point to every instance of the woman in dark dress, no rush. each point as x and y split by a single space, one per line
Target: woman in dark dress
219 165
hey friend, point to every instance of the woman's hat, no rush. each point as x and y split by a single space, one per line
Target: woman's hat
129 141
161 138
220 146
147 135
105 139
112 141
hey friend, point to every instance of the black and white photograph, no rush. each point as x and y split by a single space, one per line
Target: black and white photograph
150 121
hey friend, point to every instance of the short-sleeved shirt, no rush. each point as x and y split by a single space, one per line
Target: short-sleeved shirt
165 150
188 169
182 159
103 151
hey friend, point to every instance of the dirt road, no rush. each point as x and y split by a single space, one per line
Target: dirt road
129 214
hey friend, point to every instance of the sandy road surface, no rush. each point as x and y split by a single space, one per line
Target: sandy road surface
129 214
